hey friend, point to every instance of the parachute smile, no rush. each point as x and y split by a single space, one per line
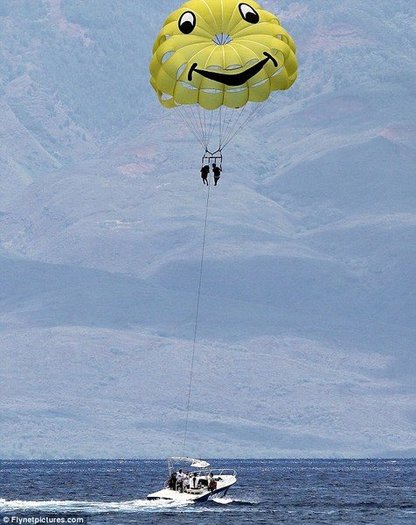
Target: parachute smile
235 79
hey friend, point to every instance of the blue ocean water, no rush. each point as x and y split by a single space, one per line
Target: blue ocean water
313 492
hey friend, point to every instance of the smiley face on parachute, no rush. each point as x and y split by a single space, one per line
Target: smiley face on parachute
221 52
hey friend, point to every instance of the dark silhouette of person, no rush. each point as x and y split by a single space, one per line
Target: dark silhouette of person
204 174
212 484
172 481
217 173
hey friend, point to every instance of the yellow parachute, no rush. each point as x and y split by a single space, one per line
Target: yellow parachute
219 54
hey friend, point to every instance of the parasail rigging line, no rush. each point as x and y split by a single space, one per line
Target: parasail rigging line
187 123
223 125
198 301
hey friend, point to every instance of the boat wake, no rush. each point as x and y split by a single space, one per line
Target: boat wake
222 501
228 501
90 507
107 507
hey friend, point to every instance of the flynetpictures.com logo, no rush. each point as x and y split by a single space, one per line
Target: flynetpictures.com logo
43 520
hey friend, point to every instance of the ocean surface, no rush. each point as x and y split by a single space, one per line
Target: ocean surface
314 492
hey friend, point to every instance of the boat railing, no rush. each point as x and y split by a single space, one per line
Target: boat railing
216 472
222 472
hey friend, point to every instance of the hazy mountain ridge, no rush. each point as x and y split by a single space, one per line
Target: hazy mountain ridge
310 244
131 400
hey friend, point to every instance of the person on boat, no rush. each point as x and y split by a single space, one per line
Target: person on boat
212 484
204 174
180 477
186 482
194 481
172 481
217 173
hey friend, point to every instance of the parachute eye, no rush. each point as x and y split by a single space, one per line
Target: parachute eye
249 14
187 22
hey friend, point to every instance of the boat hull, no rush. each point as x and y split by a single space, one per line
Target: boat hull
197 496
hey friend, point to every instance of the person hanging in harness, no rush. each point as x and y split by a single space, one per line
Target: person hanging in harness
217 173
204 174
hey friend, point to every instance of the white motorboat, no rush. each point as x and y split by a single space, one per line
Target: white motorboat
193 480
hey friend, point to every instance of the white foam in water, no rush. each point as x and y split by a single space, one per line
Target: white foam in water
222 501
227 501
88 506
